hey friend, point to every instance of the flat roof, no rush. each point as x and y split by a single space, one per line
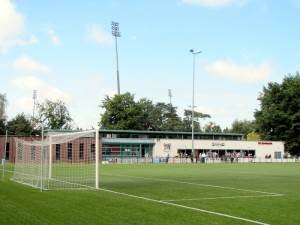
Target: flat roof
151 132
165 132
127 141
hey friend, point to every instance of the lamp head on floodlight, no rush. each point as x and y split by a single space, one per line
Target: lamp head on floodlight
115 29
34 95
193 52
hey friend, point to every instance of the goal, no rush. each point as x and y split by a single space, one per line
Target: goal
60 161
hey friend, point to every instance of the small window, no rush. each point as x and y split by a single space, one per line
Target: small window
70 151
7 151
32 153
20 151
81 151
277 155
92 151
57 151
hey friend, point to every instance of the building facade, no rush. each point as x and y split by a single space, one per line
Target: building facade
116 144
179 144
219 148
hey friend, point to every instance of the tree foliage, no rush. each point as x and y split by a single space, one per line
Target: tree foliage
2 127
3 103
279 114
187 120
54 115
212 127
243 126
169 119
253 136
123 112
20 125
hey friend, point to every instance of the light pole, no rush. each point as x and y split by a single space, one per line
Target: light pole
34 96
116 33
193 103
170 95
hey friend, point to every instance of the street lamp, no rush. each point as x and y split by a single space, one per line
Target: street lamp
193 103
116 33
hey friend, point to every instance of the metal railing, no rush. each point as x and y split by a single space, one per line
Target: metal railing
188 160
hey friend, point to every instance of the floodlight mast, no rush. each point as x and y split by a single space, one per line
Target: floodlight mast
116 33
170 95
193 101
34 97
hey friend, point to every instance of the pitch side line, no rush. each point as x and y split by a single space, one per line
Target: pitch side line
185 207
224 197
192 183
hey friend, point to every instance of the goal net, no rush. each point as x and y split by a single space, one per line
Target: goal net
61 161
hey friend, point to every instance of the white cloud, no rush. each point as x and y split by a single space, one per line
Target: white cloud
54 37
98 35
45 90
12 27
214 3
242 73
27 64
22 104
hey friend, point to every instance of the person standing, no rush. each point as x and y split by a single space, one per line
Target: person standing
203 157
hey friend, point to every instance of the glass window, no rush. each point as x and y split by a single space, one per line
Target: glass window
20 151
70 151
92 151
32 153
57 151
81 151
7 151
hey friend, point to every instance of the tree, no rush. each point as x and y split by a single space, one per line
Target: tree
168 118
2 127
3 103
151 115
253 136
243 126
20 125
279 115
54 115
226 130
212 128
122 112
187 120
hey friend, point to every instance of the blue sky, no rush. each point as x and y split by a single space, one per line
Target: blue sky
64 50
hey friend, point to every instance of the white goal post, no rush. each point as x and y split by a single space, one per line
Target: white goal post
60 161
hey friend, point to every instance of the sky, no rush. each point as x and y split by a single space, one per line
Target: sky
64 50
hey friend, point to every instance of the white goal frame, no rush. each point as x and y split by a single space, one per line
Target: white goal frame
45 157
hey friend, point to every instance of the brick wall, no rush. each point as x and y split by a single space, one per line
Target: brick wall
74 156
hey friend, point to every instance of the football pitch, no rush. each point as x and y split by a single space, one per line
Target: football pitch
210 194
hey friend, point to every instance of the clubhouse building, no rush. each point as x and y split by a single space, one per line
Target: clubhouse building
179 144
116 145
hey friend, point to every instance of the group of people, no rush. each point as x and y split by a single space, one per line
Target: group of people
229 156
203 157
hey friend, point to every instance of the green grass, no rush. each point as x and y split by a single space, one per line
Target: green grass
20 204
